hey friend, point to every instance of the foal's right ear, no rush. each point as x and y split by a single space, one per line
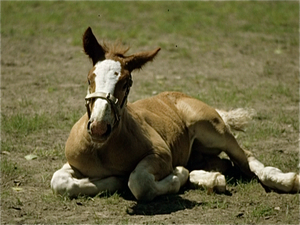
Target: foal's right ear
91 46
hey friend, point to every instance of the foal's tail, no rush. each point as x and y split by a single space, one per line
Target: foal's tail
237 119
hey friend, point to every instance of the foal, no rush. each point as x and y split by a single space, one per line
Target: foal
149 145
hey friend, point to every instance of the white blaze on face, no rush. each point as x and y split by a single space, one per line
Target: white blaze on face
107 74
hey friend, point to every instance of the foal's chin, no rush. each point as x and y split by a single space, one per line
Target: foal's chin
100 138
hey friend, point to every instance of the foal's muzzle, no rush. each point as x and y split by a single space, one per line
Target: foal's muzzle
99 131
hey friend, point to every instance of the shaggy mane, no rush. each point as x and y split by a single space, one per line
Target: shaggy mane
116 48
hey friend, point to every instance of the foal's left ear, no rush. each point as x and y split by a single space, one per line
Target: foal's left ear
137 60
91 46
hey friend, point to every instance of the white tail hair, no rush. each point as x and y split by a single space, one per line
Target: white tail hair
237 119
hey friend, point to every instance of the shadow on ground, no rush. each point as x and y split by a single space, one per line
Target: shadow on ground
162 205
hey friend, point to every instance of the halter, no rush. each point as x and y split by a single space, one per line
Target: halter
113 101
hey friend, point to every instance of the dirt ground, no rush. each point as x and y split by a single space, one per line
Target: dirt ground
46 78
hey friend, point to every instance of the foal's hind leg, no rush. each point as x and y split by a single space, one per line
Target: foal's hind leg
207 170
214 135
68 181
199 160
274 178
208 128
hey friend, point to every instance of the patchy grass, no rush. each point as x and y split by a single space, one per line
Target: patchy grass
22 125
9 168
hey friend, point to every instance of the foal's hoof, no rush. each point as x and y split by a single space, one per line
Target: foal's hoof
182 174
212 181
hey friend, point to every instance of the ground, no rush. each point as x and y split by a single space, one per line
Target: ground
232 54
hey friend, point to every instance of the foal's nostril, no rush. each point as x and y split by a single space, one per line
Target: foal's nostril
108 129
89 126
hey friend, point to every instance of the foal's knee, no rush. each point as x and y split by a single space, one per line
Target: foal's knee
142 185
63 184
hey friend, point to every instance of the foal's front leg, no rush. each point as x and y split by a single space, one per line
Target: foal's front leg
68 181
153 176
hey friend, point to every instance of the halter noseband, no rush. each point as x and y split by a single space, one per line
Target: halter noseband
113 101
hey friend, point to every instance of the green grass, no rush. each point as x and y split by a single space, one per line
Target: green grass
56 151
262 211
198 19
21 124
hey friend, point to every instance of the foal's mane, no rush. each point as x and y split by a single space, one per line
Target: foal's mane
115 48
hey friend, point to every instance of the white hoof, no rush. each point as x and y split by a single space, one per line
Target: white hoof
208 180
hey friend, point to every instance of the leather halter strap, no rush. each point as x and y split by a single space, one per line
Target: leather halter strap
113 101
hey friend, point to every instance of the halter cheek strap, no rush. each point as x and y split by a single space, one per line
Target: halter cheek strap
127 91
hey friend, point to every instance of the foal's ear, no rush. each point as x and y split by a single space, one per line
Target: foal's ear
91 46
136 61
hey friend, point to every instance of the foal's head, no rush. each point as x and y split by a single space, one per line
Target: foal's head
109 83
